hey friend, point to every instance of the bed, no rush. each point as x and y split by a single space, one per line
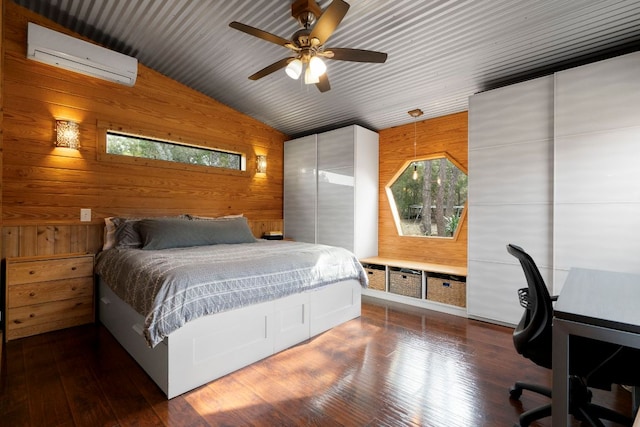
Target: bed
193 300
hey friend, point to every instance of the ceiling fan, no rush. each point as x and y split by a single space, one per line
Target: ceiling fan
308 42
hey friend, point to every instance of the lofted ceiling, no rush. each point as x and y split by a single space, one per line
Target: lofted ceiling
439 51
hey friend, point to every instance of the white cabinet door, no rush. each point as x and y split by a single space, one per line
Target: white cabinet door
510 194
597 155
337 204
300 189
336 188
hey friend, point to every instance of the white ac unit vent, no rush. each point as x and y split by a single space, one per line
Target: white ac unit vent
61 50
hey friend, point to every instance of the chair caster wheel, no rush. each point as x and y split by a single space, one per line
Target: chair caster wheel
515 393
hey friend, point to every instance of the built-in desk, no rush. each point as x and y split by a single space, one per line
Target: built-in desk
596 304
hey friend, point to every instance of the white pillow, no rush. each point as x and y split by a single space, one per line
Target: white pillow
109 234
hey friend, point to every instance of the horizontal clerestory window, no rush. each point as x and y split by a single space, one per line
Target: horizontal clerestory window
122 144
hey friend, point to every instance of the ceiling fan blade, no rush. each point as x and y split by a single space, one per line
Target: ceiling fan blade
329 20
323 85
355 55
259 33
271 68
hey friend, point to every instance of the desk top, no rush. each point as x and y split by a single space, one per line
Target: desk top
602 298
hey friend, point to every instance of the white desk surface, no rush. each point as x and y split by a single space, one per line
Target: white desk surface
596 304
602 298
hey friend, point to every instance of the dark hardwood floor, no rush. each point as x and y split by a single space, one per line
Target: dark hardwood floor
394 366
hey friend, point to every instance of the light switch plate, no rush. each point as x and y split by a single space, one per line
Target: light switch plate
85 215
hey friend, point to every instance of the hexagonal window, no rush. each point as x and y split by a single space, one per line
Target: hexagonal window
428 197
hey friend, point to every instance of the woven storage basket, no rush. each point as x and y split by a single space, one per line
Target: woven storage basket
447 289
377 276
408 283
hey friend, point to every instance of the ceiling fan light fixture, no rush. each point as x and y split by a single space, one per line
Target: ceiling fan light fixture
294 69
310 78
317 66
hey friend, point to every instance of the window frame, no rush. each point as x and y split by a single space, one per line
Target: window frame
394 209
104 127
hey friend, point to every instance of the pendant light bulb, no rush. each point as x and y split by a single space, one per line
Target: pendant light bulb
415 172
309 77
294 69
317 66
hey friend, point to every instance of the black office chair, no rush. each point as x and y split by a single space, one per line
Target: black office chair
533 337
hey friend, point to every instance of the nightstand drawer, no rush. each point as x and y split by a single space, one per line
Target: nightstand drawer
45 270
47 293
40 292
39 318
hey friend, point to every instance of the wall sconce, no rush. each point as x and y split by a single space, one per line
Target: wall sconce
261 163
67 134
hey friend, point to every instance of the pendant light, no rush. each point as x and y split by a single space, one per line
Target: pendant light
415 114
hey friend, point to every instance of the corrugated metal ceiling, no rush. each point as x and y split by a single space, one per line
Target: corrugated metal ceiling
440 51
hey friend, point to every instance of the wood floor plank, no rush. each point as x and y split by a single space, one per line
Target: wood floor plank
393 366
47 403
83 388
14 400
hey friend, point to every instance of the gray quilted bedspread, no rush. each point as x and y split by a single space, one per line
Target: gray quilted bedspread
170 287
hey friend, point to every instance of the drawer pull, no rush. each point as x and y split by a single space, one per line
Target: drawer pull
17 322
32 294
73 288
32 315
32 272
74 268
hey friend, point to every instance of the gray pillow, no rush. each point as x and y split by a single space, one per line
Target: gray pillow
179 233
126 235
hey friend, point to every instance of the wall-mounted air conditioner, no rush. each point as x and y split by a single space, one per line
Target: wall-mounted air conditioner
61 50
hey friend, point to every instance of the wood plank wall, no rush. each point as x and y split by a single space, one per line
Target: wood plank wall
442 134
38 240
44 188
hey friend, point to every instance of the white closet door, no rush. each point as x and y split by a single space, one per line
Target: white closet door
300 190
510 194
366 193
597 190
336 188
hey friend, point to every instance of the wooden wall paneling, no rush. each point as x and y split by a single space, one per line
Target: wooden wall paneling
260 227
46 239
35 240
10 241
2 297
28 241
443 134
46 186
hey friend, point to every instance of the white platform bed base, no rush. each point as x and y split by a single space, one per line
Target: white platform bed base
213 346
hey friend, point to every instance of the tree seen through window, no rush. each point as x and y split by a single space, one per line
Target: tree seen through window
429 196
126 145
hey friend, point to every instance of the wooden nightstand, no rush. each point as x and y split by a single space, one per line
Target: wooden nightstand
47 293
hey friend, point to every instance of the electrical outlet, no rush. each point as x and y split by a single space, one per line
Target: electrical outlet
85 215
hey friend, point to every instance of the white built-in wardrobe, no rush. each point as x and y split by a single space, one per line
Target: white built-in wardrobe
553 168
331 189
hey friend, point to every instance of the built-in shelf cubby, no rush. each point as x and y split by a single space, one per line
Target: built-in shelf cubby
415 282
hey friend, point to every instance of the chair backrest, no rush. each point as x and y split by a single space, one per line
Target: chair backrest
533 336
